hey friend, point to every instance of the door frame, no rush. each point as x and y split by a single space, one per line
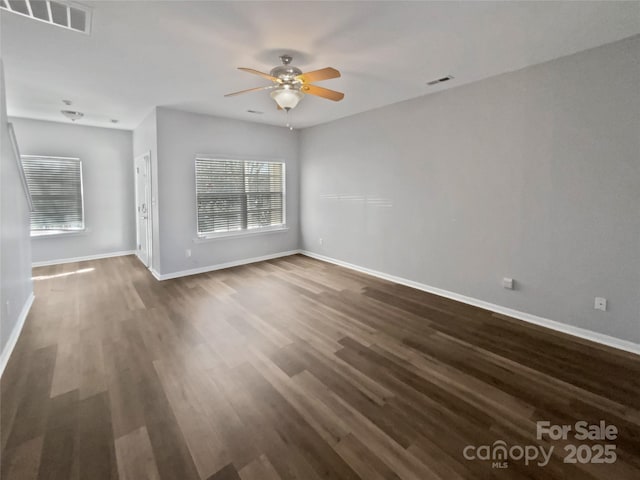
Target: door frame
149 201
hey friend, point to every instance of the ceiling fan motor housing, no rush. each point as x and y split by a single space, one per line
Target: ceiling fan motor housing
286 73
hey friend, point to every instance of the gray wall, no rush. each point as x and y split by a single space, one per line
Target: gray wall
145 140
533 175
15 248
107 174
180 137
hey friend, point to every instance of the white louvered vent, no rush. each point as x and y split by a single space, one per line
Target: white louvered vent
61 13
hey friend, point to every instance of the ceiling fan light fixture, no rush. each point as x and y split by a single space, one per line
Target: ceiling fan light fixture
286 97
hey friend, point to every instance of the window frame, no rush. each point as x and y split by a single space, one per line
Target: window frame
281 227
54 232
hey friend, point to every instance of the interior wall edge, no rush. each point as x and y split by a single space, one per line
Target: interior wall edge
15 333
221 266
98 256
583 333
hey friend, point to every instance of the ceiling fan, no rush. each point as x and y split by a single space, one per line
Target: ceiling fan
290 84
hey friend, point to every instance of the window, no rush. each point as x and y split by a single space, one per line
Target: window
56 189
237 195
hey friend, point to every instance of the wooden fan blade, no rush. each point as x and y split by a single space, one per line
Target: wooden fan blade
322 92
263 75
318 75
249 90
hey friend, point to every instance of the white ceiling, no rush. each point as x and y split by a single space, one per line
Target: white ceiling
184 54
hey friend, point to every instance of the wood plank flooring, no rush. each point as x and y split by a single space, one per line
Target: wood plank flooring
293 369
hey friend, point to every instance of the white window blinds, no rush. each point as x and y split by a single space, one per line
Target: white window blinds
235 195
55 185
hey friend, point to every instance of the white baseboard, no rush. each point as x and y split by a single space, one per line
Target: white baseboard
82 259
220 266
156 274
527 317
15 333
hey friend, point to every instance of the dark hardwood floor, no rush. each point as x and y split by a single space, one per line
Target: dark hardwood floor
294 369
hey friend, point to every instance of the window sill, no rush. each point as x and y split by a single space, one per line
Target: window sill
59 233
240 233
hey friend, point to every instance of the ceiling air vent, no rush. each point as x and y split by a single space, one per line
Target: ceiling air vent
61 13
440 80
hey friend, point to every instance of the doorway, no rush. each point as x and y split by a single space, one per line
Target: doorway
143 208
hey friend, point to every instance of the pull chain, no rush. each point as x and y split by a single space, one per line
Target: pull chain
289 126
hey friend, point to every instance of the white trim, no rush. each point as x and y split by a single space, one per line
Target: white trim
241 233
18 157
58 233
50 157
15 333
82 259
149 201
156 274
211 235
75 159
239 158
220 266
527 317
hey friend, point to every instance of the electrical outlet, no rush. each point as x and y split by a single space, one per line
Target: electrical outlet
507 283
8 308
320 241
188 253
600 304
